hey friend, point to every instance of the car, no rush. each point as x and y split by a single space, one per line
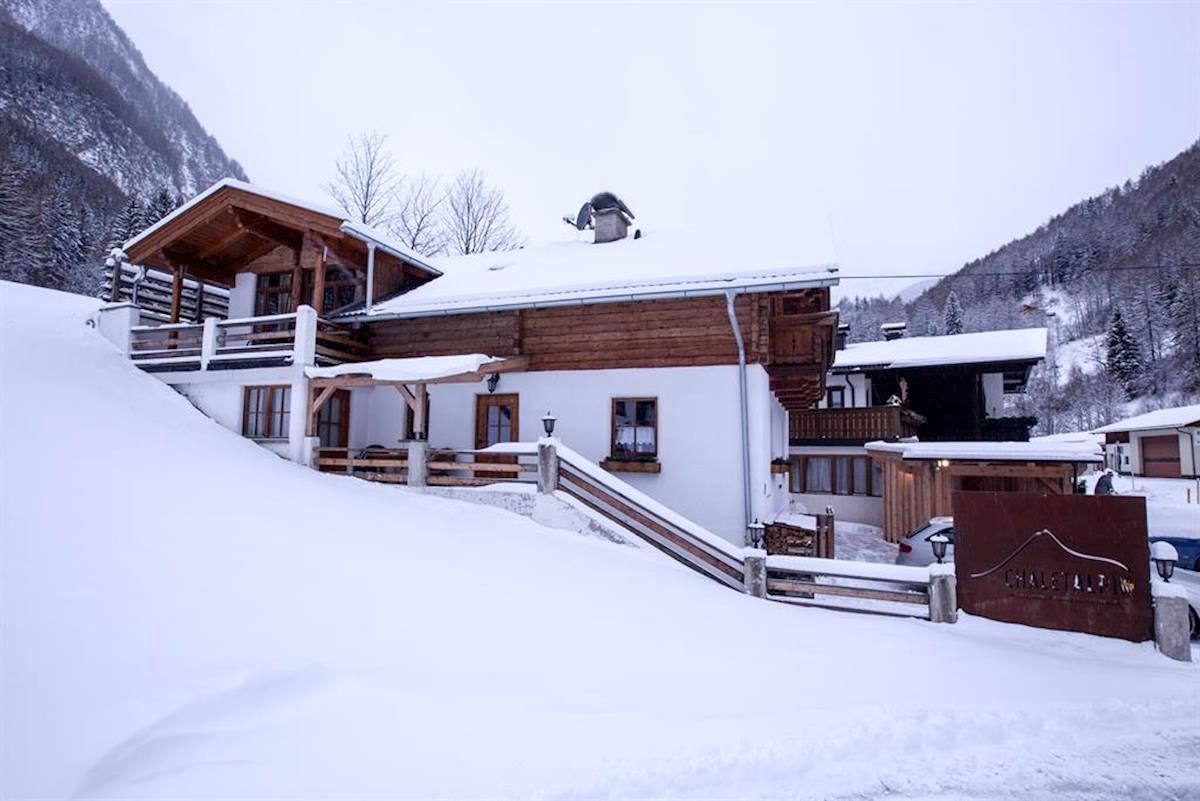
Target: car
1187 548
916 550
1191 585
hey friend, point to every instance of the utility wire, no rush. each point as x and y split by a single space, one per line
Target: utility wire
1022 274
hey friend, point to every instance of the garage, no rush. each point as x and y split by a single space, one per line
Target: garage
1160 456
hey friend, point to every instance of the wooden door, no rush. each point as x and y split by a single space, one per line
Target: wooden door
1160 457
496 418
333 420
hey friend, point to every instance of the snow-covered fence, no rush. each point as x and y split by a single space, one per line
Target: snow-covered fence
440 467
152 294
857 586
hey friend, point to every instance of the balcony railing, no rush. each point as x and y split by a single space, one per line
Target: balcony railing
273 340
851 425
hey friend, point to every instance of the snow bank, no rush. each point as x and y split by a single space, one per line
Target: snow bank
185 615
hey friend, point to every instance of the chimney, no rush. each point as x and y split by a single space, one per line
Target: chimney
610 217
892 331
843 333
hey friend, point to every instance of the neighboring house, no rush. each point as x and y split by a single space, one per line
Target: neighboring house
1160 444
935 389
673 360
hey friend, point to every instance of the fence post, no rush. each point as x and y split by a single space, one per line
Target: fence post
1171 622
547 466
115 321
825 528
304 350
754 572
208 341
943 594
418 457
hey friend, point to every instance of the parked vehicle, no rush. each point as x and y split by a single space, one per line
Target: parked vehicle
916 550
1191 584
1187 548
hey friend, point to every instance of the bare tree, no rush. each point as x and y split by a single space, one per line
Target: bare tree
418 219
367 181
475 216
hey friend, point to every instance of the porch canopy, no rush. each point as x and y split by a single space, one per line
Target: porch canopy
410 377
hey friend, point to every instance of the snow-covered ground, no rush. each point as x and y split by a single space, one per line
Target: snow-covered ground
1168 512
184 615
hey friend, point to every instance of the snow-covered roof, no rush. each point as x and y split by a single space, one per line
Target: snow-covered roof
358 230
1018 345
1071 451
1176 417
416 370
661 263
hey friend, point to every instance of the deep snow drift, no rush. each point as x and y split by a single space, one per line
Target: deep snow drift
185 615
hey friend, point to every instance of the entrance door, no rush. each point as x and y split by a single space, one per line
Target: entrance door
333 420
1160 457
495 422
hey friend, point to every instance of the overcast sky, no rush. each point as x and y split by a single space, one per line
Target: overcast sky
921 135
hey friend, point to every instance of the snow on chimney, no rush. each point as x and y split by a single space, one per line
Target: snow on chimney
843 333
892 331
610 217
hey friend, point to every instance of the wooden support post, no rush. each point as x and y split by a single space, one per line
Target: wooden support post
326 394
177 271
318 300
297 279
422 396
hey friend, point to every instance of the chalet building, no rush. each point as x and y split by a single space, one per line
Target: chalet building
1159 444
941 389
673 361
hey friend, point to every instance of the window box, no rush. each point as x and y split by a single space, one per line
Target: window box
631 466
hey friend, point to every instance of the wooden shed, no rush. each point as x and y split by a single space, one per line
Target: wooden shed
919 477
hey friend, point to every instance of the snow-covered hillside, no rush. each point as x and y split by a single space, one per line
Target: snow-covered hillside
185 615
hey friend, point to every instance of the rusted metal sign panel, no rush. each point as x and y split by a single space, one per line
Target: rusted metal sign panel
1069 562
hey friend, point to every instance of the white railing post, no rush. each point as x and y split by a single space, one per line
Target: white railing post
418 458
304 351
298 422
943 594
115 322
208 342
547 466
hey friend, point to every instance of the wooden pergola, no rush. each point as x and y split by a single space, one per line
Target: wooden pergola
413 388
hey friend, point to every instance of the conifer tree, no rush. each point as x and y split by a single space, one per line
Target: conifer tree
1124 356
953 315
127 224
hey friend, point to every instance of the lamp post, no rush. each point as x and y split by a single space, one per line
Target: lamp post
1165 556
548 421
939 542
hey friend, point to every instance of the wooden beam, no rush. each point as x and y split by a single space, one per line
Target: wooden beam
177 271
297 279
319 283
221 243
326 394
409 398
419 413
264 228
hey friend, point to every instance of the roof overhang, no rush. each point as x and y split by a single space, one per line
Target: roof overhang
466 368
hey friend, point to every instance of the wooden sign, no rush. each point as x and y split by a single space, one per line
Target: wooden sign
1068 562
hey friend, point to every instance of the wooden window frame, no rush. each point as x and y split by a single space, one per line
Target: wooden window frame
262 291
269 434
841 395
612 442
798 477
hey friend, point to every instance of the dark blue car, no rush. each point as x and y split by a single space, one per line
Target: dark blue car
1189 551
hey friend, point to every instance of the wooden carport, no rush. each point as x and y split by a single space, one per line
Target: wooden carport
919 477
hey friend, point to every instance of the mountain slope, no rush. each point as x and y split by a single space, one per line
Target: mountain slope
85 127
184 615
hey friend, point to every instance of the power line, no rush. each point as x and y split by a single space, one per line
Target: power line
1022 274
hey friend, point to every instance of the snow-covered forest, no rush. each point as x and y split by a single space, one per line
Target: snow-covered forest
1117 280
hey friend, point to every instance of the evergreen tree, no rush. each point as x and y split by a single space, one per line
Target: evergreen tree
952 315
1124 356
129 223
160 206
1184 317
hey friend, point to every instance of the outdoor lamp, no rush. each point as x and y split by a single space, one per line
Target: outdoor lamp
939 543
754 533
492 381
548 421
1165 556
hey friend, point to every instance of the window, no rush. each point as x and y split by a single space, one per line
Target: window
837 475
266 412
273 294
635 428
333 420
835 398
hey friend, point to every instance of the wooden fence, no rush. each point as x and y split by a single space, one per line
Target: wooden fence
444 467
153 295
845 584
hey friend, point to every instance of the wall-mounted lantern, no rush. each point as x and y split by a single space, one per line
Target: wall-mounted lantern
493 381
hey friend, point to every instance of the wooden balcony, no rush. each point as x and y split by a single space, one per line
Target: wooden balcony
851 426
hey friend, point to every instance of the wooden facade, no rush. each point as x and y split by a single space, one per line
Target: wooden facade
916 490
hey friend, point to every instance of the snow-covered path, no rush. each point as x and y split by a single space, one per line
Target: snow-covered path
184 615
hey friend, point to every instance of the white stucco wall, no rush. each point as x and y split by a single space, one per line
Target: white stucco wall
241 296
993 394
857 386
699 430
